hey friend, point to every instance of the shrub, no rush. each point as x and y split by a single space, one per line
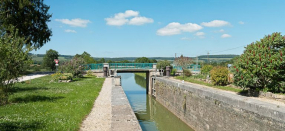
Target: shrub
89 73
187 73
37 68
173 72
219 75
206 69
262 65
74 66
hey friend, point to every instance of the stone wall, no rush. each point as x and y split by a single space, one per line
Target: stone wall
211 109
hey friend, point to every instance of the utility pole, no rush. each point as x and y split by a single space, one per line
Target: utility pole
175 55
197 64
208 57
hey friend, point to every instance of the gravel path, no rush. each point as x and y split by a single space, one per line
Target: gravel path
31 76
100 116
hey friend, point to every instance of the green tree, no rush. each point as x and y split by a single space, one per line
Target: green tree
262 65
48 60
102 60
87 58
206 69
142 60
13 58
153 61
162 64
29 17
183 62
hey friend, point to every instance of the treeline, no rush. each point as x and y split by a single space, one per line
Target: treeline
217 56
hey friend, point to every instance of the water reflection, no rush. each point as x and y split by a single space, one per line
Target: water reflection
152 116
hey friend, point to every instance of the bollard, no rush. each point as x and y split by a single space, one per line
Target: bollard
105 69
167 70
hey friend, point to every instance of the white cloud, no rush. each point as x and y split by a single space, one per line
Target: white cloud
185 38
241 22
226 36
120 19
140 20
200 34
215 23
70 31
175 28
74 22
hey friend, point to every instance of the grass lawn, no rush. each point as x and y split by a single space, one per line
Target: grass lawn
192 80
42 105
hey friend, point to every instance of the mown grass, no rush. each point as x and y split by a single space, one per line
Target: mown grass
192 80
42 105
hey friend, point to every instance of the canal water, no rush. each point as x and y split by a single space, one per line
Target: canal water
152 116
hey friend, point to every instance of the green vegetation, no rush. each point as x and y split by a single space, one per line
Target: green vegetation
140 79
193 80
219 75
163 64
183 62
48 60
29 17
206 69
73 66
14 57
262 65
86 57
173 72
144 60
44 105
187 73
141 74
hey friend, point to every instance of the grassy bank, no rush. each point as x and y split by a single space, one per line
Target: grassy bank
41 105
192 80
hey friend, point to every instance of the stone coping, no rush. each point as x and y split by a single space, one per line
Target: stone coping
272 110
123 116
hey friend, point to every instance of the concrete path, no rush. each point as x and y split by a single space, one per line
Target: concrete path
100 116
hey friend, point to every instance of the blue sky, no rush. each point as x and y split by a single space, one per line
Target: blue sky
156 28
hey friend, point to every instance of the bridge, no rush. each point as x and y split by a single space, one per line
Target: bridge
111 69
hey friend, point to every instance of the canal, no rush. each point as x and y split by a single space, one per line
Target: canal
152 116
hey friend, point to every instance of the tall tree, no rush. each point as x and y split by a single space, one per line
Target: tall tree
87 58
29 17
49 59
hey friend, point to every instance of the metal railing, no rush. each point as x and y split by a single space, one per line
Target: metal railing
131 65
93 66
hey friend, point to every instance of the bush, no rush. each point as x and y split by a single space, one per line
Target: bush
89 73
219 75
37 68
187 73
206 69
74 66
262 66
173 72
